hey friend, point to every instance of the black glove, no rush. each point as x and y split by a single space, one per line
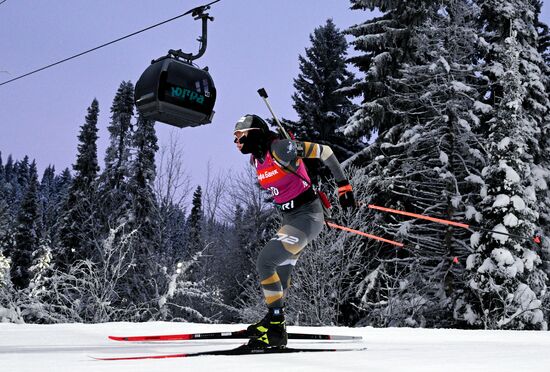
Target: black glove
345 195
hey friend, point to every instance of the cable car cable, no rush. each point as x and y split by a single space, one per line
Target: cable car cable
106 44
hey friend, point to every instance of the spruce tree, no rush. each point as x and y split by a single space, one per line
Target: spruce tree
4 219
543 49
428 164
114 197
144 219
8 169
2 170
143 174
506 275
543 32
8 207
120 129
22 177
321 106
385 46
77 225
47 197
194 223
26 234
63 183
9 187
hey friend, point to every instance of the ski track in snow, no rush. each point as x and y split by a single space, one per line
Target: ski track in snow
68 347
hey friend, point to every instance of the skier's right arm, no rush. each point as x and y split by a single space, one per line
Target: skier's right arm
312 150
324 152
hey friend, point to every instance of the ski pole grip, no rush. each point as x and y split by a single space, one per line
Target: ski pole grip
262 93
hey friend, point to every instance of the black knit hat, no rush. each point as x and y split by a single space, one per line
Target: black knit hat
250 121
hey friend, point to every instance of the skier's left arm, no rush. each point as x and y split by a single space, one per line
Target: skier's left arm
312 150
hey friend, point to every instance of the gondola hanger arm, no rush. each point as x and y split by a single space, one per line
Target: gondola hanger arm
197 13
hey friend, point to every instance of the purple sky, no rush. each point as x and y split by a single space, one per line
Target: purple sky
251 44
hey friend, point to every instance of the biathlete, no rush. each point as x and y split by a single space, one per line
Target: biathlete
280 170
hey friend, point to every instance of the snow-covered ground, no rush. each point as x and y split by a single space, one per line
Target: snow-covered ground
68 347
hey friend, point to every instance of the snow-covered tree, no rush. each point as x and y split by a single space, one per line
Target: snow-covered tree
194 222
144 214
385 45
507 284
544 154
26 234
5 218
120 129
77 224
426 163
195 237
143 172
113 182
48 205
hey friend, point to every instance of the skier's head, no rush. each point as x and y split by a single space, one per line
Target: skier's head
252 135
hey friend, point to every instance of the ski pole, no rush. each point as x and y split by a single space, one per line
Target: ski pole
536 238
262 92
333 225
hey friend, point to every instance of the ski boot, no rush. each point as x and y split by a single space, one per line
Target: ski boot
270 331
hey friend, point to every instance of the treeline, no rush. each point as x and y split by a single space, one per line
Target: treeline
449 116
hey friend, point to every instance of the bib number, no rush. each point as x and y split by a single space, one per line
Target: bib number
274 191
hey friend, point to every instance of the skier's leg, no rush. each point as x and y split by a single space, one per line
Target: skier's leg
284 271
280 250
275 264
277 259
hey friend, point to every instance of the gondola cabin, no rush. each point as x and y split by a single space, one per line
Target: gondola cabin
175 92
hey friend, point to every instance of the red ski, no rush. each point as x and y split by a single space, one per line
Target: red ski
241 350
241 334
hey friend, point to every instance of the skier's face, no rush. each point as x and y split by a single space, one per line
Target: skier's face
240 137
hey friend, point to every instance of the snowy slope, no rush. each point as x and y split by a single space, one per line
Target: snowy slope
67 347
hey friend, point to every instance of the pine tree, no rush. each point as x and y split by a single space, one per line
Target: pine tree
118 153
322 108
47 197
62 184
143 278
8 169
5 219
543 32
77 225
8 207
194 224
428 164
27 234
2 170
22 178
9 188
114 197
386 45
506 278
143 174
544 159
